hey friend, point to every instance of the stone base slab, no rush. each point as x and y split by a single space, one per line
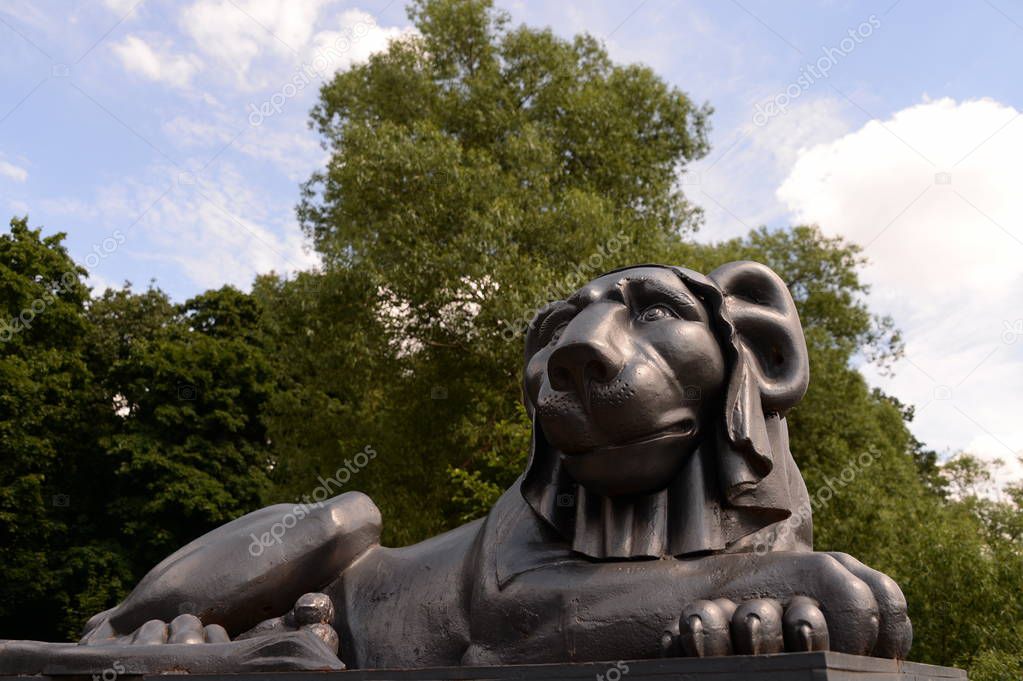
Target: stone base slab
819 666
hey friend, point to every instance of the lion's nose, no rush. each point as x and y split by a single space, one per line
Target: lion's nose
575 365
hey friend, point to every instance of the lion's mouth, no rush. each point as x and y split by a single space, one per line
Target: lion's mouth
684 428
643 464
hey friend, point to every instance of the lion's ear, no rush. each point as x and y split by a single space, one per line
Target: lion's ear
772 366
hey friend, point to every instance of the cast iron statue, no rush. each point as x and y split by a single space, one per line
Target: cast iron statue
661 514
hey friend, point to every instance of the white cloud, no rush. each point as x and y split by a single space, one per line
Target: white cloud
296 154
933 195
236 33
811 121
18 207
156 63
28 12
121 7
70 206
99 283
189 132
273 128
239 35
14 172
221 246
735 183
237 29
215 229
354 37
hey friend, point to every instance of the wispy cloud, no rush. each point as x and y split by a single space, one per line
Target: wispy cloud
235 33
11 171
155 60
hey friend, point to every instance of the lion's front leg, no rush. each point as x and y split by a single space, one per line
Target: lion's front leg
252 568
792 602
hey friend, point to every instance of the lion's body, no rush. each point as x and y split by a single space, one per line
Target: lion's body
506 589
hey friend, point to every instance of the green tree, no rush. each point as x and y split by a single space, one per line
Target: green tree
52 569
471 165
128 426
333 383
188 383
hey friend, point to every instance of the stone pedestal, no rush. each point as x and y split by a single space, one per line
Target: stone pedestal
788 667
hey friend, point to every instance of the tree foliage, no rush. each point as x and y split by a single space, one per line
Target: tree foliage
128 426
471 166
52 566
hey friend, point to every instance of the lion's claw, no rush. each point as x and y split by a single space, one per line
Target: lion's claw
703 630
804 626
754 627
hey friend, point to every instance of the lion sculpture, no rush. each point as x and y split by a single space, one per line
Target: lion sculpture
661 514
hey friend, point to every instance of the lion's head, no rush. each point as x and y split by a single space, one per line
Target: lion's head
658 398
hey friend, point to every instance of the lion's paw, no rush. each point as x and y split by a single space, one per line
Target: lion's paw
313 612
797 602
755 627
182 629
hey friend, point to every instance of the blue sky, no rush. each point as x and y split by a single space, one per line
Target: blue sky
169 139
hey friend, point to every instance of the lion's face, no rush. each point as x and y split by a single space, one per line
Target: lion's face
627 372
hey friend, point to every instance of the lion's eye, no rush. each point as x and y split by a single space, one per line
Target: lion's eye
656 312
